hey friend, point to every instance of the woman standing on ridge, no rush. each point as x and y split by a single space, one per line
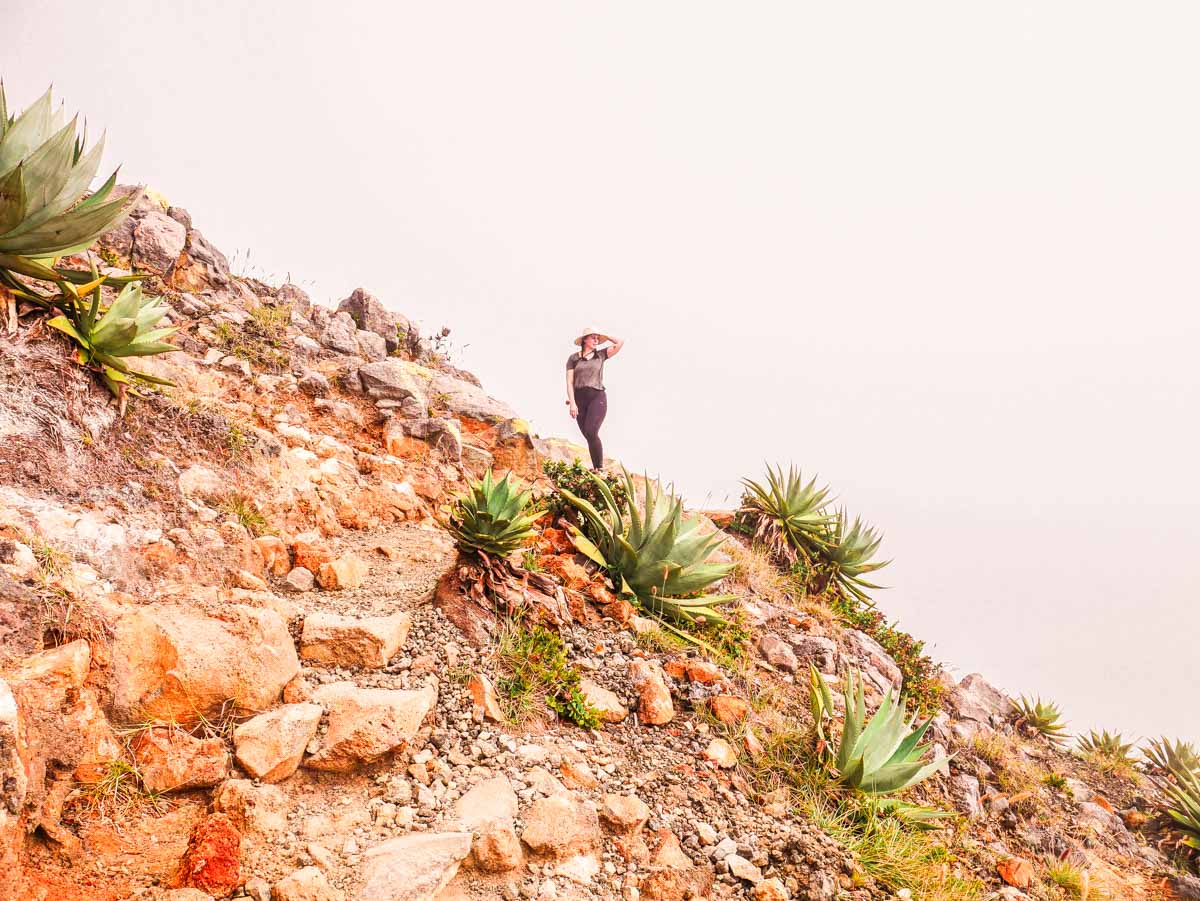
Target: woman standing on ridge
585 387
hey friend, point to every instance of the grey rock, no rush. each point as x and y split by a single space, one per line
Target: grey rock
341 334
306 345
392 379
370 345
180 215
299 579
314 384
876 664
372 316
974 699
965 790
821 651
158 240
200 251
296 297
778 653
465 399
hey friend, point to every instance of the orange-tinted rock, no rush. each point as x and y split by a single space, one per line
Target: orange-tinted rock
704 672
607 704
1016 872
345 573
484 703
169 759
213 860
310 552
273 554
654 698
728 709
721 753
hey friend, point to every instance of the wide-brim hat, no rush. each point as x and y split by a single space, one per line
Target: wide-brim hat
591 330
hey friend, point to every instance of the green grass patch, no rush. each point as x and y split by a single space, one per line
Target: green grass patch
539 674
245 511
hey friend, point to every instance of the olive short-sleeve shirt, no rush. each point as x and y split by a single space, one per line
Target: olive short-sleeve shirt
589 371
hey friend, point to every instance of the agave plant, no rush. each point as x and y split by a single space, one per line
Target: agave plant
884 755
491 517
1042 716
847 554
654 551
1110 747
45 170
1184 806
1173 756
128 328
786 515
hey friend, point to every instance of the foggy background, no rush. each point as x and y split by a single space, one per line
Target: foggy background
942 254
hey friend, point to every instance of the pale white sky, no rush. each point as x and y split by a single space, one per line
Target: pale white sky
943 254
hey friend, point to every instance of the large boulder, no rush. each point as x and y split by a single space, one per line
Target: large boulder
171 664
371 315
158 240
367 723
561 826
340 334
335 640
974 699
271 746
392 380
488 811
169 759
413 867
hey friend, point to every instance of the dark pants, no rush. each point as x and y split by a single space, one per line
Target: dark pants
593 404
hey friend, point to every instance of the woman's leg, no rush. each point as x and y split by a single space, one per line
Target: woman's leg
591 417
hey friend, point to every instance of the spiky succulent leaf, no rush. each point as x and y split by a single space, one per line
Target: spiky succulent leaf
44 172
1107 745
1173 756
491 517
1184 805
128 328
885 755
654 550
1043 716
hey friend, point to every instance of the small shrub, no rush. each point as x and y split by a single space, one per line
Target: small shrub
577 479
540 671
245 511
260 340
1056 781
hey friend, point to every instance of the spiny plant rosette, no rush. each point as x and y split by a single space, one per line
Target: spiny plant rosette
1173 756
879 757
490 522
127 329
491 517
786 515
1107 746
45 170
1183 793
1041 716
654 552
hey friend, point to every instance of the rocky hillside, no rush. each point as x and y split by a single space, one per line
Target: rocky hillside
242 657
